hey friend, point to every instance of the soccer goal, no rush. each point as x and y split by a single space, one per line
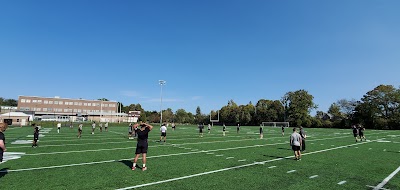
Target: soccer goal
275 124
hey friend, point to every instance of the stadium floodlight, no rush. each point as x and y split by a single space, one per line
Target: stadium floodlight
162 83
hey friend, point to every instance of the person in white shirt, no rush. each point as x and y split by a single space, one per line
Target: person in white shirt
80 130
93 127
209 128
295 142
106 126
163 130
58 127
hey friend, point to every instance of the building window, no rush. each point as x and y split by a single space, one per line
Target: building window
97 104
80 103
60 102
44 109
17 120
34 101
89 104
23 100
75 103
38 109
55 102
49 109
65 110
28 101
71 103
45 102
50 102
105 105
39 101
84 104
75 110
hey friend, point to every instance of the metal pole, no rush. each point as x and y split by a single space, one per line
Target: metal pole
162 82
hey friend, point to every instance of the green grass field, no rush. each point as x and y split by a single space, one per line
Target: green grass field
186 161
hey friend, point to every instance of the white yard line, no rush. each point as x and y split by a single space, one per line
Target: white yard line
272 167
242 160
11 147
374 187
230 158
387 179
314 176
230 168
291 171
342 182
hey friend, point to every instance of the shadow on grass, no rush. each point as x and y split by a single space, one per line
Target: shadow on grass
3 172
392 151
284 148
128 163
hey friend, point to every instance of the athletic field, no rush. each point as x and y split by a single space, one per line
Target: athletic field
332 160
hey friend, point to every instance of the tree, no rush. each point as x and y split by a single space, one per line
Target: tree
298 106
8 102
380 108
199 116
103 99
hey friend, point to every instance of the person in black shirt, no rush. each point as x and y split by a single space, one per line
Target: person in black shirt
303 139
201 127
361 130
142 144
35 137
238 128
355 132
283 131
3 127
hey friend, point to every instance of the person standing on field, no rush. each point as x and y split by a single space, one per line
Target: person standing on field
101 127
142 144
223 130
238 128
295 142
58 127
303 139
261 132
80 130
163 131
93 127
106 126
3 127
35 137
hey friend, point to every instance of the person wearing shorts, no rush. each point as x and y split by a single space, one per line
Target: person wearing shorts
106 126
35 137
3 127
101 127
295 142
142 144
130 131
163 131
355 132
80 130
209 128
238 128
93 127
201 127
58 127
361 130
173 126
283 131
223 130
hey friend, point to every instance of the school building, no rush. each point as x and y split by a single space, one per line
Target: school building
54 108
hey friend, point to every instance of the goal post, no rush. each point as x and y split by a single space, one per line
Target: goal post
275 124
214 120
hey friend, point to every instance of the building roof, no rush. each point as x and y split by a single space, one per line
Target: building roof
74 99
14 114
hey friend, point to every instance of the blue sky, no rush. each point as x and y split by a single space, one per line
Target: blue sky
208 51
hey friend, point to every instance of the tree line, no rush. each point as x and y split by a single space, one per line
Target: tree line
379 108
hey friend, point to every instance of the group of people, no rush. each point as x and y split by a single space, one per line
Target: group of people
358 132
298 142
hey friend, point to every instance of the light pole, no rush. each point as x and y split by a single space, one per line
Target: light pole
162 83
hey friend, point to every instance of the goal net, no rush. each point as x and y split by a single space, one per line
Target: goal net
275 124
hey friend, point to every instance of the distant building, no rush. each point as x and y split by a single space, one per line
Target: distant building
73 109
6 109
15 118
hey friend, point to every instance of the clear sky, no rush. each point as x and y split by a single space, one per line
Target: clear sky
208 51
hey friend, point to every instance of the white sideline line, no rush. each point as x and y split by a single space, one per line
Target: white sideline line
342 182
219 155
291 171
272 167
229 158
230 168
242 160
314 176
379 189
210 152
387 179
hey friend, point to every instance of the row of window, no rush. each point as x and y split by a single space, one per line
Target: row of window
66 103
61 110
